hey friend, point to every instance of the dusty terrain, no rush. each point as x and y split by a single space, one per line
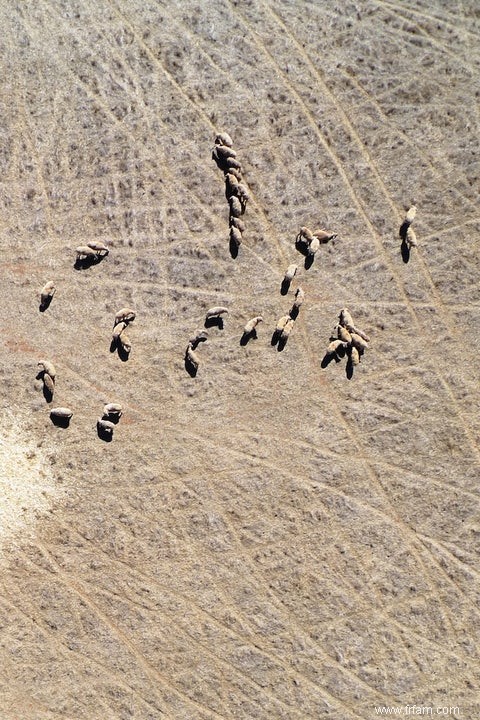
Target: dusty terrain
268 539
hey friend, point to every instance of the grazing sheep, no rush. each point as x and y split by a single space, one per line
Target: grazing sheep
84 252
118 329
215 312
235 237
358 342
106 426
237 223
235 206
313 246
345 318
343 334
235 172
46 294
231 185
243 196
48 368
113 410
61 412
252 324
281 323
49 383
99 247
410 215
354 355
200 337
291 272
299 298
223 138
411 238
125 315
223 152
304 236
191 358
287 329
362 333
232 163
124 343
324 236
337 347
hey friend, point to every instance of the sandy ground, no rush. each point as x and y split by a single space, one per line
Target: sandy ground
269 539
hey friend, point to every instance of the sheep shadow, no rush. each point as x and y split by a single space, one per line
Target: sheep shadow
45 304
349 368
233 247
59 421
104 434
308 261
405 251
282 341
122 353
216 321
285 286
115 419
294 312
328 358
247 336
87 262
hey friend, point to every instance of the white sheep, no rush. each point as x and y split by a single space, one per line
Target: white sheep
252 324
215 312
126 315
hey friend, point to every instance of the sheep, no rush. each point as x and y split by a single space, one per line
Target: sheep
61 416
281 323
232 162
125 315
305 236
222 153
243 196
47 368
105 426
343 334
200 337
223 138
235 237
354 355
360 332
410 215
411 238
324 236
61 412
358 342
290 273
252 324
345 318
313 246
235 206
337 347
299 298
118 329
86 253
231 185
236 222
124 343
46 294
235 172
191 358
287 329
112 410
100 248
215 312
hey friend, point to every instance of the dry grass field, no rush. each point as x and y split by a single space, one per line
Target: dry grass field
269 539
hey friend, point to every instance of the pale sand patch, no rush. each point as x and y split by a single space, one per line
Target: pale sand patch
27 485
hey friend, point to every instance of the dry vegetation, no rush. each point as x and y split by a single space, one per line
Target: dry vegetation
267 539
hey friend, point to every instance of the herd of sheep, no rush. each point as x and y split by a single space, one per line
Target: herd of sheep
347 340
